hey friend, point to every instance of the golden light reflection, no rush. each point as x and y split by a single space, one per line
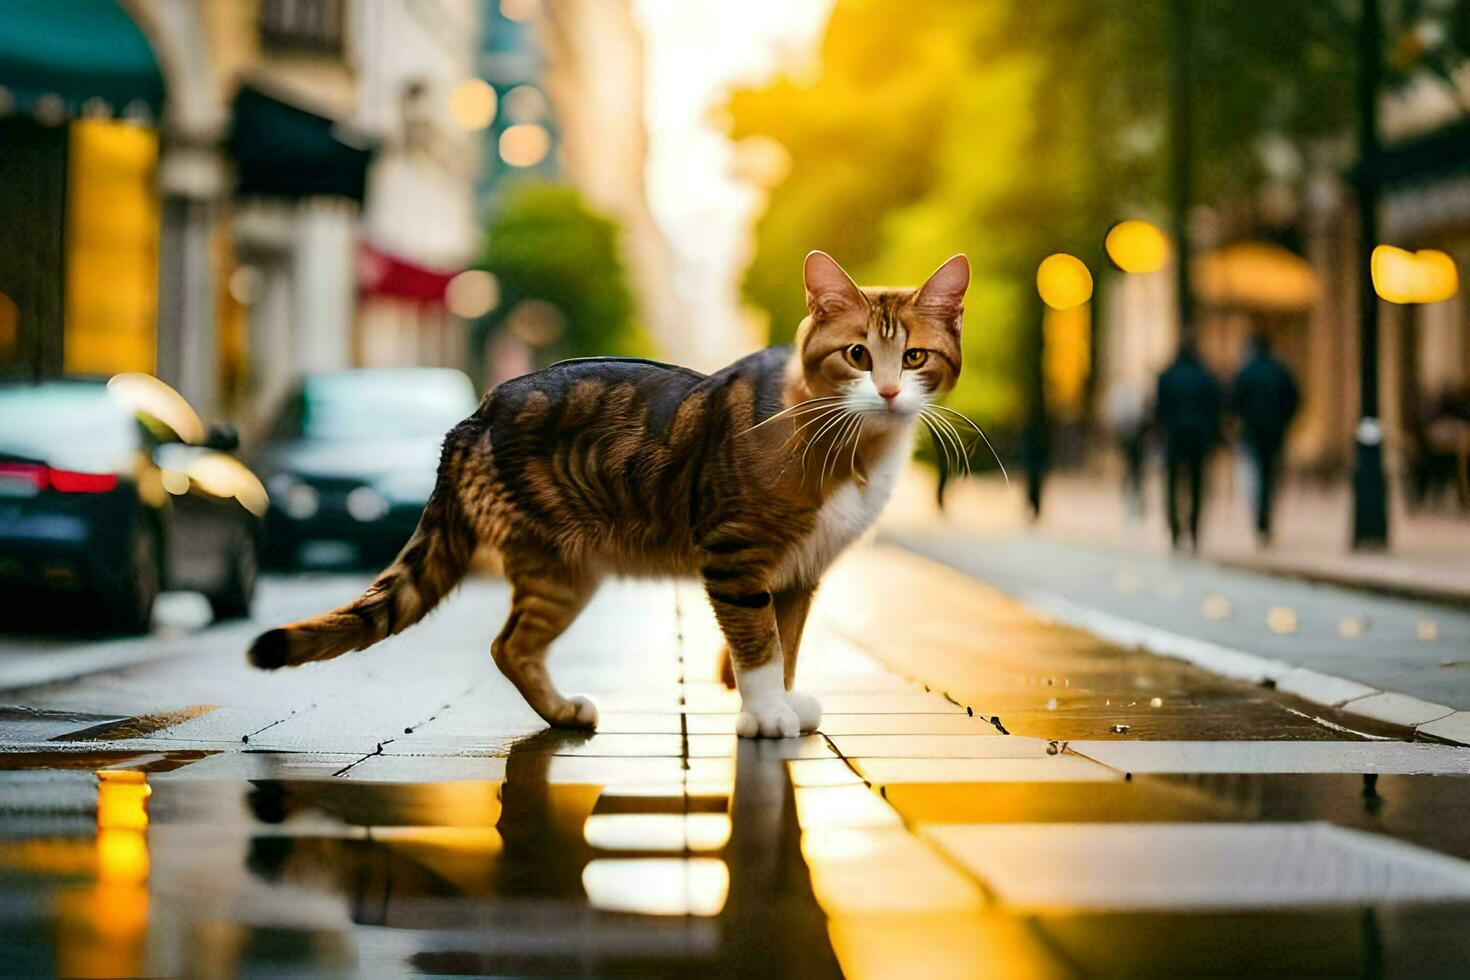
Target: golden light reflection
122 800
1352 627
842 806
1427 630
472 104
101 929
1067 360
1425 276
524 144
838 844
1137 246
157 402
657 831
1063 281
957 945
657 886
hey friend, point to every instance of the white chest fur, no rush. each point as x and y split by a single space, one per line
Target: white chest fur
846 513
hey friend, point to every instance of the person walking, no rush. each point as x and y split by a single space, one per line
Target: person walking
1188 407
1128 414
1264 397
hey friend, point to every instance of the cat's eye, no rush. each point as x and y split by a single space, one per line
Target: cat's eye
857 356
914 357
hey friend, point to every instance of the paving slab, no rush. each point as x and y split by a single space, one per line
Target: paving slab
1275 757
1060 768
1198 866
982 745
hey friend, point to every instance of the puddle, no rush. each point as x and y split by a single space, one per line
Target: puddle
525 874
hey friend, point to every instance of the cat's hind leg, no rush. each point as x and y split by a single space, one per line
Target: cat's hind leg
545 598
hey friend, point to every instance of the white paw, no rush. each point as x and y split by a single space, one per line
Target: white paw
772 718
577 712
808 709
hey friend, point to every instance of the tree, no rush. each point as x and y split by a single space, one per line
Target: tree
546 246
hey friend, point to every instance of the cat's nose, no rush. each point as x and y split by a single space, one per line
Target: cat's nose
888 393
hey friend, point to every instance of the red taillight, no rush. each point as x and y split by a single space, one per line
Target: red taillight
62 481
37 476
69 481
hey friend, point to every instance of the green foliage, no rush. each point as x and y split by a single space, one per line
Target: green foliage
544 243
1011 129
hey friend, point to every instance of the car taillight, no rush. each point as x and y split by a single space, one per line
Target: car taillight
70 481
63 481
31 473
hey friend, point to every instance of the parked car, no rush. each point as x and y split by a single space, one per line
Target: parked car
352 456
114 491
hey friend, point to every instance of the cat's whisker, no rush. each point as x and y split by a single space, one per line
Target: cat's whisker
817 437
952 437
826 413
856 441
993 453
939 443
839 441
811 404
958 442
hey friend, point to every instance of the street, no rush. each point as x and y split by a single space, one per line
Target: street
991 794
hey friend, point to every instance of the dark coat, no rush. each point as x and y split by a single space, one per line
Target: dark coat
1264 397
1188 405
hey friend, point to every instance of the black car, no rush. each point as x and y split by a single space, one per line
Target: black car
352 457
114 491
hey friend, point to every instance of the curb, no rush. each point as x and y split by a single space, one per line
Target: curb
1436 721
1372 584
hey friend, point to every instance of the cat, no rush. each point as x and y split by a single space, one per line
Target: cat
753 478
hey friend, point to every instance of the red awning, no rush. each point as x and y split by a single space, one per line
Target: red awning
381 274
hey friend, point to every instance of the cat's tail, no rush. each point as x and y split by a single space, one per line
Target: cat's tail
433 562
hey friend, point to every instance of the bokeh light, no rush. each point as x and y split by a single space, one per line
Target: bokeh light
472 104
472 294
519 11
1137 246
154 400
524 104
1425 276
524 145
1063 281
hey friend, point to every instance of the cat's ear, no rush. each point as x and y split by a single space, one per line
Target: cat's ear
944 293
829 290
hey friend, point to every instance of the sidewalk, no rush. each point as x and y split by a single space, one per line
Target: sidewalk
1429 558
990 795
1370 658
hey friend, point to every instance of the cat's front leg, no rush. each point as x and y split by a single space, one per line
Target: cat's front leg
748 620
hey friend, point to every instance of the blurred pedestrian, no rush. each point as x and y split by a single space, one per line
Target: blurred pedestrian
1188 407
1264 397
1128 418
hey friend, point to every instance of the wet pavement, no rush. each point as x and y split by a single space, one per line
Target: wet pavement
990 795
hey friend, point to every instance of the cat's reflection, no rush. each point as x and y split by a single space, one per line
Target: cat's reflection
411 830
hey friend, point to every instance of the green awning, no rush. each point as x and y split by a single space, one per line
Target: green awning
283 150
77 52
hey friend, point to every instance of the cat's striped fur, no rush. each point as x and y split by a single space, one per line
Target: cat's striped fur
752 478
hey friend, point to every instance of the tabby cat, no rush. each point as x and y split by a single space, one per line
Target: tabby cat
753 478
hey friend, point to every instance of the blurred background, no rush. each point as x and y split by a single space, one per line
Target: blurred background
257 201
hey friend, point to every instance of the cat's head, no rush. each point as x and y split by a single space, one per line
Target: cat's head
886 352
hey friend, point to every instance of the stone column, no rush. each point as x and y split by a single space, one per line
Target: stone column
191 178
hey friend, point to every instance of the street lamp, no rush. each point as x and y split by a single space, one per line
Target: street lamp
1370 493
